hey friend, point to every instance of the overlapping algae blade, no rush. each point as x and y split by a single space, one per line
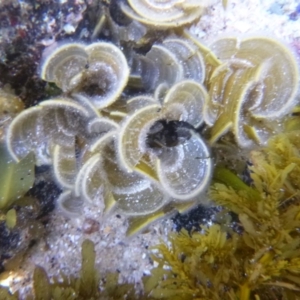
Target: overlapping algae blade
258 259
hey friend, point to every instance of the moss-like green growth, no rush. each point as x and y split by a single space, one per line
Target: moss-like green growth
263 261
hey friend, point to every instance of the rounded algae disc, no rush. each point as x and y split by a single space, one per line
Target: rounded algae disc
256 83
157 66
99 71
101 125
189 56
190 97
53 121
23 135
164 14
279 67
133 193
108 70
185 171
64 165
69 204
61 66
133 135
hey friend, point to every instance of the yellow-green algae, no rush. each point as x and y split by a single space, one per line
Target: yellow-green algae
260 260
218 263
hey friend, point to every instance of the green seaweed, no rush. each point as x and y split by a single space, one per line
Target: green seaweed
15 178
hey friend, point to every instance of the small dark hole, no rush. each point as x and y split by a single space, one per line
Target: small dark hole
165 133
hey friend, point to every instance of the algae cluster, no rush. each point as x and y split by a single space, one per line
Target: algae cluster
104 136
235 89
98 135
258 261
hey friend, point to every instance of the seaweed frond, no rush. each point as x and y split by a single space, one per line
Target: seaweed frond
200 266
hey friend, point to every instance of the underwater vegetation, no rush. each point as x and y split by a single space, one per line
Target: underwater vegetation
23 223
164 15
88 285
133 128
16 179
260 79
259 259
